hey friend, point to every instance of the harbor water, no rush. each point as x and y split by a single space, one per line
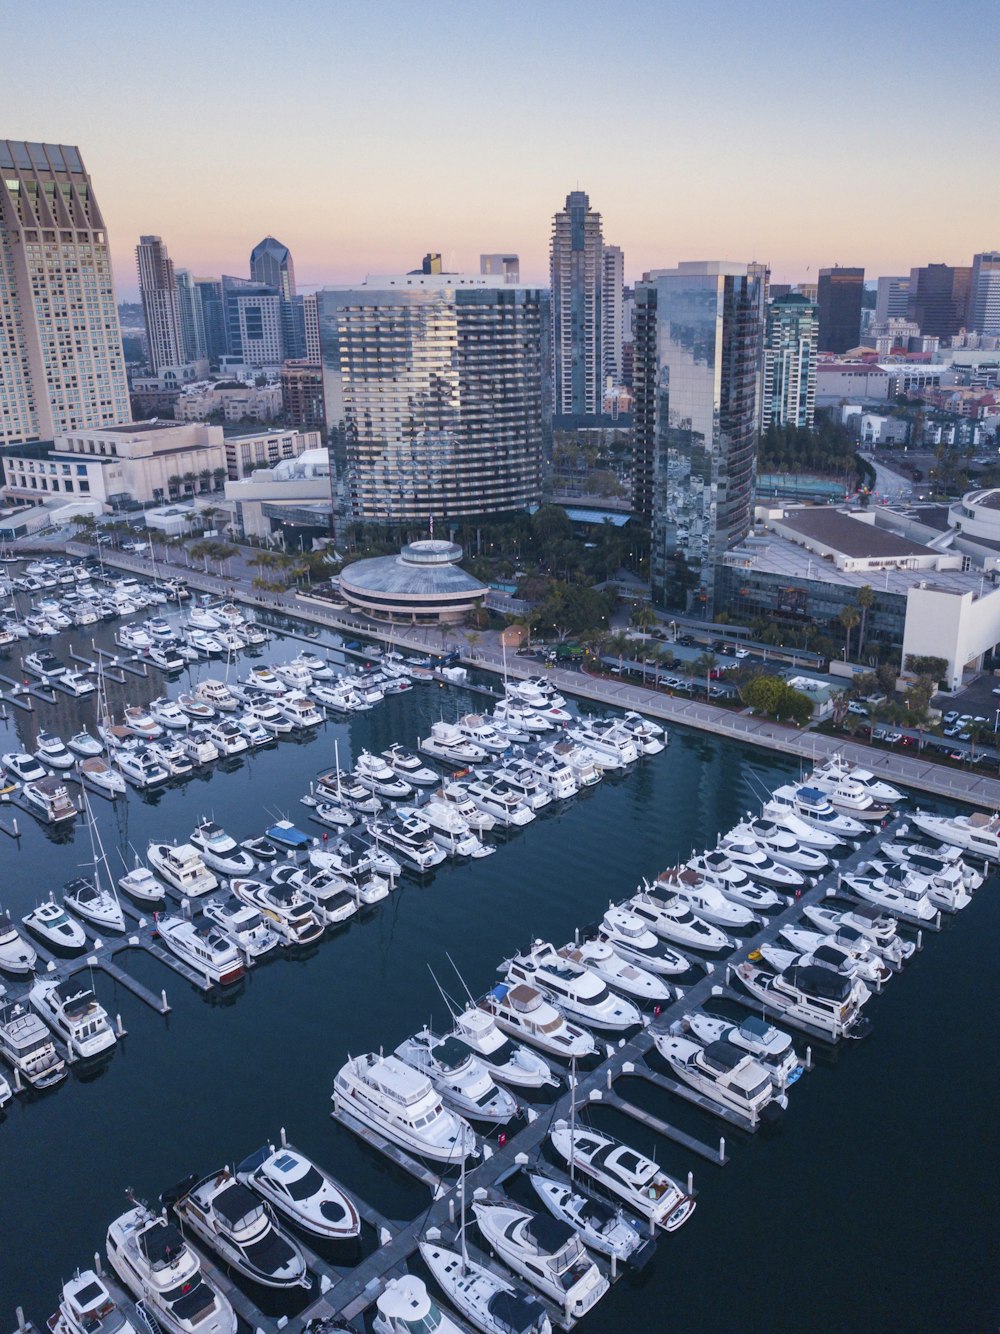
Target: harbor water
873 1207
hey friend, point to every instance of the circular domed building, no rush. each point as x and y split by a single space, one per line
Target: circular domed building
424 583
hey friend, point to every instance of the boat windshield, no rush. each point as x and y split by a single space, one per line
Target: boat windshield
305 1186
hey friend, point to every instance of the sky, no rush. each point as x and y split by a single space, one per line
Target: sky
364 134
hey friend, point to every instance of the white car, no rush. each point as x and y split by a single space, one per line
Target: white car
855 707
743 653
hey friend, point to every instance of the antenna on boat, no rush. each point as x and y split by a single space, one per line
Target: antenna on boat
460 977
444 995
572 1120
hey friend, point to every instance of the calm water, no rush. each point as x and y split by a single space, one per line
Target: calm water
873 1208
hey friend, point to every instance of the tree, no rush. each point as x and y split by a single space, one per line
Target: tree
866 597
189 479
763 694
220 475
175 482
849 618
926 665
643 616
205 476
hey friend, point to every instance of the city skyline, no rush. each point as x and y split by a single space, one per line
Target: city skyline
715 156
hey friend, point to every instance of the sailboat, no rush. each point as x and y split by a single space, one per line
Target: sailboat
88 898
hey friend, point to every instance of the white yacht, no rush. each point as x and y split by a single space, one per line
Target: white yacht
77 684
235 1223
813 998
448 744
173 756
220 851
781 846
409 838
16 955
181 866
544 1250
269 715
602 1226
168 657
74 1013
140 883
976 833
767 1044
731 1079
348 792
625 1172
95 905
87 1307
927 859
579 760
897 891
227 737
334 899
287 909
719 871
49 922
392 1098
846 952
262 678
498 799
85 745
376 774
699 885
650 736
620 974
203 946
534 691
746 855
519 776
945 883
555 776
255 732
826 776
340 697
807 835
667 915
318 668
485 1299
460 1078
507 1061
141 768
301 1192
630 937
160 1269
24 766
27 1047
579 993
44 664
293 675
872 924
480 731
52 750
98 773
242 926
409 767
457 795
134 638
404 1307
606 750
141 723
216 694
448 829
199 747
300 711
195 708
523 1012
814 807
203 619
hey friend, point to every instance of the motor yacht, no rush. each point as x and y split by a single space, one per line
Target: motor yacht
872 924
255 732
217 695
717 870
318 668
410 837
730 1079
51 750
394 1099
261 849
927 859
50 799
338 698
181 866
227 737
173 756
695 887
831 957
579 993
334 899
301 1192
376 774
498 799
846 952
50 923
262 678
826 776
508 1062
894 889
448 744
650 736
159 630
24 766
293 675
239 1226
767 1044
333 814
781 846
116 738
746 855
811 998
518 775
977 833
578 760
357 857
74 1014
535 691
195 708
300 711
199 747
632 940
624 1172
555 776
87 1307
203 619
288 837
27 1047
670 917
95 905
16 955
159 1268
82 743
404 1307
457 795
814 807
269 715
601 1226
77 684
620 974
219 851
134 638
480 731
97 773
460 1078
544 1250
524 1012
484 1298
141 723
230 641
43 664
140 883
169 658
141 767
285 907
203 947
448 829
608 741
40 628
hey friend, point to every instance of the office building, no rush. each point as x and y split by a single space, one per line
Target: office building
160 303
289 500
435 395
938 299
192 320
696 384
213 315
302 394
61 361
984 294
246 451
310 329
271 265
576 280
838 295
891 299
790 341
507 267
255 322
613 305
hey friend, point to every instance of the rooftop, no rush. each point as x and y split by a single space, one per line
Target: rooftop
428 568
851 537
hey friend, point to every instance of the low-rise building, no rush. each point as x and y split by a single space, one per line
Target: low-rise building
424 584
247 451
232 400
850 382
302 394
293 497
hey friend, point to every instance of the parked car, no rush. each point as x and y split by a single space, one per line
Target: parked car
855 707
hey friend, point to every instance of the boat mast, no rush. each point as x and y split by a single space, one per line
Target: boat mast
572 1120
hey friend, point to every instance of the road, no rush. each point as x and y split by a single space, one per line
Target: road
890 486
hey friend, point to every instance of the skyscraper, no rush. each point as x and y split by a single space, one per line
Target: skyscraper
576 278
984 293
160 304
790 340
613 313
61 361
891 299
192 319
507 266
310 329
435 395
938 299
839 293
696 383
271 264
255 327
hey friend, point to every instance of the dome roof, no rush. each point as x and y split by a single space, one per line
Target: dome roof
422 569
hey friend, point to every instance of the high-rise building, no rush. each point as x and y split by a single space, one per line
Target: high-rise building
61 361
938 299
506 266
984 293
696 386
302 394
192 320
576 277
160 303
436 397
310 328
613 314
271 265
891 299
839 294
255 324
790 339
213 315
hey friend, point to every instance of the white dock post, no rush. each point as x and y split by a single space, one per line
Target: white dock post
614 1266
576 936
727 974
119 1026
16 832
18 1086
809 1058
937 920
19 1312
722 1149
97 1262
284 1138
609 1078
920 934
451 1209
164 1007
690 1183
652 1226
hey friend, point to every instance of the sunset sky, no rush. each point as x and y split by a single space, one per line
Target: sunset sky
364 134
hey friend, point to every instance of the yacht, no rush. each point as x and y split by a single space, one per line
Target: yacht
667 915
195 708
478 729
255 732
509 1062
376 774
239 1226
203 619
77 684
631 939
230 641
410 837
300 711
23 766
806 834
872 924
357 858
97 773
487 1300
340 697
926 859
332 814
620 974
262 678
856 800
448 829
52 750
408 766
624 1172
977 833
43 664
49 922
141 723
217 695
227 738
580 994
395 1100
95 905
181 866
448 744
261 849
16 955
285 907
780 845
602 1227
544 1250
134 638
404 1307
39 627
318 668
202 946
534 692
697 886
140 883
173 756
730 1079
897 891
718 870
523 1012
649 736
746 855
579 760
219 851
27 1047
242 926
555 776
334 899
288 837
610 743
87 1307
74 1014
204 643
767 1044
83 744
826 777
945 885
460 1078
160 1269
141 768
518 775
301 1192
293 675
269 715
159 630
846 952
812 998
199 748
814 807
498 799
457 795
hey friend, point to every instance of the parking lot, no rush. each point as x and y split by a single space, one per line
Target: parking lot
977 700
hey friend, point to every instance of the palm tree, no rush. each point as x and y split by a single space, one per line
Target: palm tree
205 476
866 597
175 483
189 479
849 618
220 475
